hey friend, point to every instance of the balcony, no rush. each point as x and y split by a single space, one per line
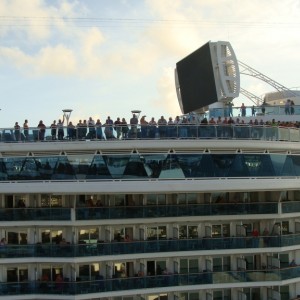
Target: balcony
142 132
132 283
156 211
35 214
150 211
150 246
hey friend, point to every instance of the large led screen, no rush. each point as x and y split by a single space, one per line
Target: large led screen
196 80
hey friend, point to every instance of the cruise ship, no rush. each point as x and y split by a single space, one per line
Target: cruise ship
196 211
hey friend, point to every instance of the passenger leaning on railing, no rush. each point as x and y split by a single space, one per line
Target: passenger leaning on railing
26 130
17 132
292 108
60 128
99 134
152 128
212 121
84 129
144 127
287 106
92 129
80 133
109 128
133 126
118 128
53 127
162 127
243 110
193 131
124 129
42 129
71 131
171 133
183 128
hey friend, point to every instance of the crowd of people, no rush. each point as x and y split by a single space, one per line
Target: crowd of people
185 126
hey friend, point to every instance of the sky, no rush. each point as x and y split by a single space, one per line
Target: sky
108 57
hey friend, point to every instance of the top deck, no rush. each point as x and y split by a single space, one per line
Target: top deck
255 122
284 132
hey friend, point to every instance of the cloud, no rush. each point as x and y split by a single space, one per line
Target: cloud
174 34
90 42
50 60
86 52
14 56
167 98
21 16
172 30
138 60
36 20
55 60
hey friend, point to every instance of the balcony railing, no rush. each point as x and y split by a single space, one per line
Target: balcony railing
150 246
144 282
156 211
290 207
149 211
175 131
36 214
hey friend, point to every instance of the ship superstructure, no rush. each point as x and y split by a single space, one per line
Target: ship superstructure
152 219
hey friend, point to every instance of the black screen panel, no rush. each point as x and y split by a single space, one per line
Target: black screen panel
196 80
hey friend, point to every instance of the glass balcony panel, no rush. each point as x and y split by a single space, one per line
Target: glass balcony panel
28 214
188 130
14 251
283 134
164 211
203 131
289 207
256 132
95 213
53 214
117 212
289 240
81 286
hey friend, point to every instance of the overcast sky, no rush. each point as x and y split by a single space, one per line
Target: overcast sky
108 57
